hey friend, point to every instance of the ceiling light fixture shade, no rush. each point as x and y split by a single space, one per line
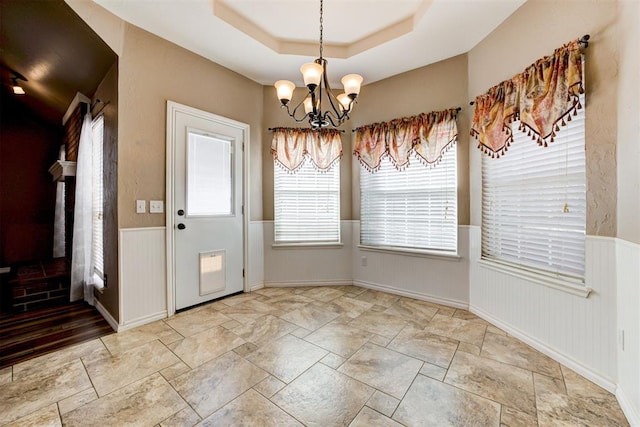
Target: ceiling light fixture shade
317 83
311 73
285 90
17 89
351 83
308 105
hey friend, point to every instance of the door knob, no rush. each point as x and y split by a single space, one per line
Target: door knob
180 212
181 226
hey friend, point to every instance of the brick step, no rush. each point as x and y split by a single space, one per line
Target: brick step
40 284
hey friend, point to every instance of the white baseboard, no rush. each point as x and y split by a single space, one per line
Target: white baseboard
130 324
411 294
143 320
107 316
627 407
255 287
295 283
559 357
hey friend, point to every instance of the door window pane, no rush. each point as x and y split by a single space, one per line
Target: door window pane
209 175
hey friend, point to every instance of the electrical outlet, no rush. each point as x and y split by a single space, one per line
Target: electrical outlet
363 261
141 206
156 206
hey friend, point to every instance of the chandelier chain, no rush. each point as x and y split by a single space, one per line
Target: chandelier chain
319 91
321 20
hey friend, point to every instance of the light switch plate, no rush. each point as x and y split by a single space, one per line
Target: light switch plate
141 206
156 206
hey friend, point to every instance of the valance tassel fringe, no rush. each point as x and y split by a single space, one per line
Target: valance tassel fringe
559 82
425 137
292 148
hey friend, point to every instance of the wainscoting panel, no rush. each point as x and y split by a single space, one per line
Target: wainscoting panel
307 266
578 332
256 255
628 343
440 280
143 288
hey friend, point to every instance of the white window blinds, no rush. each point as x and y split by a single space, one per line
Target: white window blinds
97 251
415 208
307 204
534 202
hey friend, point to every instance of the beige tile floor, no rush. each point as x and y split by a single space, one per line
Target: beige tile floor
321 356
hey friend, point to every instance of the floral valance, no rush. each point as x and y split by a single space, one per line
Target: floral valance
427 136
541 97
292 146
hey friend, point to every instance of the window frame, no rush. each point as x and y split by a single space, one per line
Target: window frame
421 251
307 167
564 280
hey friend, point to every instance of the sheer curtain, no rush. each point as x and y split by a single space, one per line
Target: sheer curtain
58 224
81 274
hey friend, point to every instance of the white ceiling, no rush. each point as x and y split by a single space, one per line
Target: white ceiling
268 40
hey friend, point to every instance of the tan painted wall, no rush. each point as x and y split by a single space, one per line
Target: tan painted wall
275 116
153 71
432 88
533 31
629 121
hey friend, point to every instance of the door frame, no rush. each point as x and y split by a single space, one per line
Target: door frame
172 109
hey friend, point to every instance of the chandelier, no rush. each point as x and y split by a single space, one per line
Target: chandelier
315 79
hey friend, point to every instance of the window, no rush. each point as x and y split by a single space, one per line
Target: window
534 202
97 251
307 204
415 208
209 175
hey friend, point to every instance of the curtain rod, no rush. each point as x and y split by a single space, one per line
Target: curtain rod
97 102
584 40
457 109
274 129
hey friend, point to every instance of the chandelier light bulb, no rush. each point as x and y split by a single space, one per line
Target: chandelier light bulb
345 101
312 74
351 83
308 105
284 88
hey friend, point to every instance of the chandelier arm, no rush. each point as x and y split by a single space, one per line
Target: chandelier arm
292 114
335 118
330 95
328 117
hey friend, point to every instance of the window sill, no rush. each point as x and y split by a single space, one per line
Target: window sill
557 283
444 256
308 245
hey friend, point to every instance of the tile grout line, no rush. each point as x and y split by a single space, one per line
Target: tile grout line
183 399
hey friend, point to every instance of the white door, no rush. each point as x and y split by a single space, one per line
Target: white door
207 207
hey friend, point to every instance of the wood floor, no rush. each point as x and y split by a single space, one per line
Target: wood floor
27 335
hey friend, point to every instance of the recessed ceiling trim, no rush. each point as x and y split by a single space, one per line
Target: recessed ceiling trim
250 28
421 11
382 36
289 26
332 50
